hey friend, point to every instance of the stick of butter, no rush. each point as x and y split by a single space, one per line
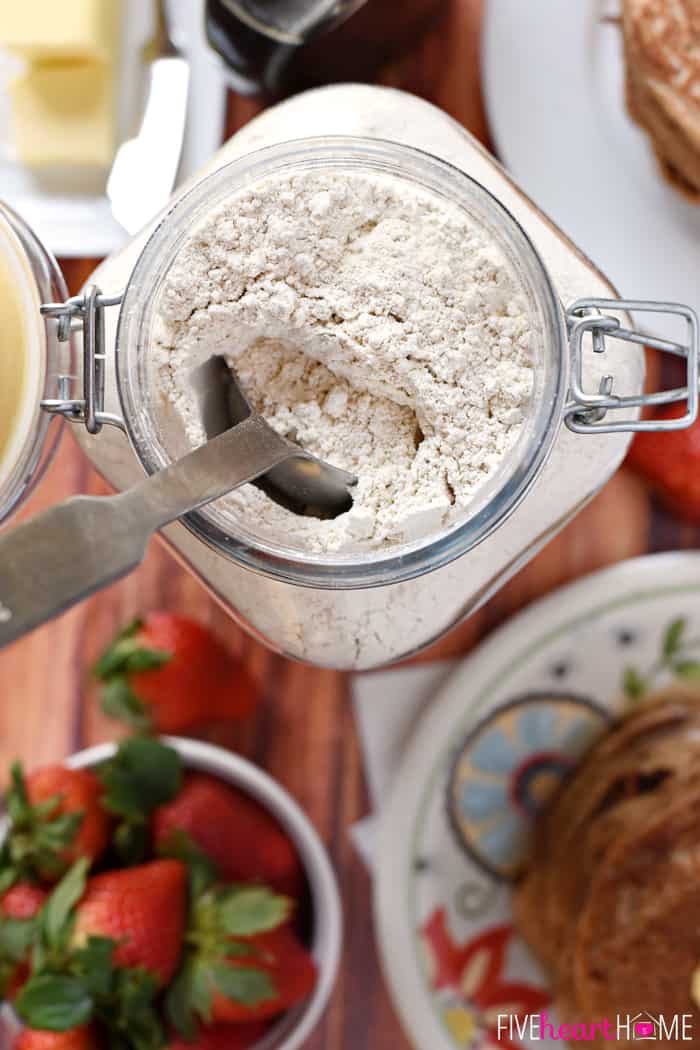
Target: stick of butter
65 115
47 30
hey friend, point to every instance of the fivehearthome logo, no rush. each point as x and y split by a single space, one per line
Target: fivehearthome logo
640 1027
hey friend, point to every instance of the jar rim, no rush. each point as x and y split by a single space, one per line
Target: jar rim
493 503
38 279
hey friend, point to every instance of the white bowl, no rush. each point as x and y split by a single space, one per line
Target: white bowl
297 1024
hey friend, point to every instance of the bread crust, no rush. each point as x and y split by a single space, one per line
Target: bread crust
662 56
616 859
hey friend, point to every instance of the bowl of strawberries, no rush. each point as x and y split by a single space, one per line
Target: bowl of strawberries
161 894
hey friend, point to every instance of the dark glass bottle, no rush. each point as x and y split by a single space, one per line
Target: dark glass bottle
275 46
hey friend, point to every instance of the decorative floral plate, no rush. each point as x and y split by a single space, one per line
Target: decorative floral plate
510 723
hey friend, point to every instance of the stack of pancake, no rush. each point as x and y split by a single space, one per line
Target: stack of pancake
662 51
610 903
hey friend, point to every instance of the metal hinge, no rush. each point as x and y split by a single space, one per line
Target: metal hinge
586 412
84 313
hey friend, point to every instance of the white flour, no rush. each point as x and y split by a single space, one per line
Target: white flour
372 323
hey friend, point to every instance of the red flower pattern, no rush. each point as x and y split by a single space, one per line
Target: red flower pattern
472 973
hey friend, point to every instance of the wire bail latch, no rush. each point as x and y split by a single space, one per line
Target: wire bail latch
84 313
586 412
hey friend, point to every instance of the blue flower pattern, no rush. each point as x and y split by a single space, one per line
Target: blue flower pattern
509 767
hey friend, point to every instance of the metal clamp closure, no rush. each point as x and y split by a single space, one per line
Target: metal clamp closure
84 313
586 412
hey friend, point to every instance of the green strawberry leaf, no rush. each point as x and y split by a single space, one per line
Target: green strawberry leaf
143 775
202 992
242 984
37 838
118 700
124 997
128 655
145 1032
54 1002
132 1014
143 659
129 630
203 872
238 949
109 661
204 972
184 1000
16 801
177 1008
249 910
9 874
633 683
191 994
16 938
57 912
131 842
689 669
673 637
95 966
136 989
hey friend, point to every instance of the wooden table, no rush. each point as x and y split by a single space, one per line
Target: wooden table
304 732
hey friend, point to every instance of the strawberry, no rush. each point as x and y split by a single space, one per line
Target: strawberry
102 947
22 901
168 673
18 907
244 841
670 462
222 1037
290 967
142 909
57 817
243 962
76 791
81 1038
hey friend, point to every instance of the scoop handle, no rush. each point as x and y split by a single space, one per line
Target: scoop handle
82 545
62 556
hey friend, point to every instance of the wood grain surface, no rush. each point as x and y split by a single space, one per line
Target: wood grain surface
303 733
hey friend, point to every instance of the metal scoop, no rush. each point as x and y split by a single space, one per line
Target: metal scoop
77 547
303 484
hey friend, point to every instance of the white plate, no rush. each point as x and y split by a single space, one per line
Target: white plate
553 81
507 723
77 221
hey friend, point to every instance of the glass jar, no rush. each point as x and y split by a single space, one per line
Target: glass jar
156 433
35 279
282 46
359 611
259 40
